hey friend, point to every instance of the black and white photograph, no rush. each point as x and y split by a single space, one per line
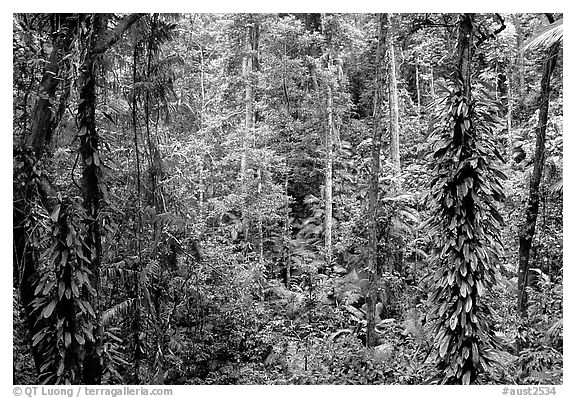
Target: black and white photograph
265 198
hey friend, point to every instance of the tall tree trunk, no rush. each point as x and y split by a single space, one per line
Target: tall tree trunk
248 99
392 96
250 45
137 266
91 180
372 260
526 231
328 188
154 161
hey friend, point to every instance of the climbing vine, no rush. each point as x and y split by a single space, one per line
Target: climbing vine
465 225
63 294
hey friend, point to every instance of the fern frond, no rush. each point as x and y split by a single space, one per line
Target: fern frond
120 310
117 271
151 269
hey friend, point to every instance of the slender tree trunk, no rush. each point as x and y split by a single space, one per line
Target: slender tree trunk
154 162
432 92
496 81
372 260
392 96
248 69
519 60
260 222
328 188
418 100
201 126
526 231
137 267
248 101
286 234
510 106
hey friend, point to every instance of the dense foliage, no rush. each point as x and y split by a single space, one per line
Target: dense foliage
217 199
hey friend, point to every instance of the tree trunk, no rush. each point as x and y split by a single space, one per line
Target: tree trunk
328 177
526 231
520 60
510 106
496 81
137 266
154 158
43 123
248 100
432 92
286 233
260 222
45 118
392 96
91 192
418 100
250 45
372 260
465 51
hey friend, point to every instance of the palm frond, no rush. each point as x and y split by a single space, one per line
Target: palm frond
413 325
555 330
557 187
546 37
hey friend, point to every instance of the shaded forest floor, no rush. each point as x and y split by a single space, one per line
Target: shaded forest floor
225 333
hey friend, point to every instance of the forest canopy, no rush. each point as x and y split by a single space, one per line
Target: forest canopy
288 198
